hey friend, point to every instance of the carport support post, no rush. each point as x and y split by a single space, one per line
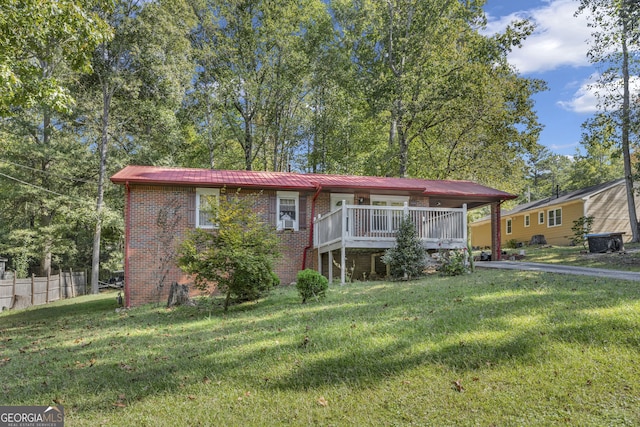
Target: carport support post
495 232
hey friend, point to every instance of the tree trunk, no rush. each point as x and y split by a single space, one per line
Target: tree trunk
178 295
626 124
46 217
104 139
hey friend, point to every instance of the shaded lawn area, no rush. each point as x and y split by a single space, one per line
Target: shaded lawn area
579 256
491 348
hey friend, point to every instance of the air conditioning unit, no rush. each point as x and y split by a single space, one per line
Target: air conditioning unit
288 224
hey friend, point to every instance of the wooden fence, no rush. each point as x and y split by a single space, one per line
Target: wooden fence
23 293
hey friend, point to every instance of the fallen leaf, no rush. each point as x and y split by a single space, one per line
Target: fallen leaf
120 405
191 397
457 385
322 401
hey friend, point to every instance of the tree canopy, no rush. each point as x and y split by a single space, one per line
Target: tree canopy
374 87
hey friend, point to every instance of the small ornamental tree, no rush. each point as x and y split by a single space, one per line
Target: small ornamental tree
238 255
581 227
407 259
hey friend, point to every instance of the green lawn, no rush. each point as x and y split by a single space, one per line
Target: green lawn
491 348
579 256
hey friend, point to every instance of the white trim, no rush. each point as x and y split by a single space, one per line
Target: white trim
527 220
555 217
540 222
398 200
205 192
336 198
288 223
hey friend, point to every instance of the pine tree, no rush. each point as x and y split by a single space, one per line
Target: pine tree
407 259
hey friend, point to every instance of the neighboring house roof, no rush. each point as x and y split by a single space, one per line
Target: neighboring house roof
562 198
301 182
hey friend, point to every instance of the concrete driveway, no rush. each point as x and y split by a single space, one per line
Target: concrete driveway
561 269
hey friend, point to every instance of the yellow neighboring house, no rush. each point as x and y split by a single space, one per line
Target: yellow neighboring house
553 217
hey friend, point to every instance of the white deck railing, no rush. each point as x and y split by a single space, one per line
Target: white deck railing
376 226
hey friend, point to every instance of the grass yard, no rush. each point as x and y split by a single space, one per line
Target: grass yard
491 348
580 257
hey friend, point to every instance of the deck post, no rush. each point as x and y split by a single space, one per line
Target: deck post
465 227
343 254
330 262
496 252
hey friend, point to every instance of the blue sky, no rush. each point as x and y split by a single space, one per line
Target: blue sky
556 53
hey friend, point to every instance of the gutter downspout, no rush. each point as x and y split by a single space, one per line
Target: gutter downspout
127 238
313 214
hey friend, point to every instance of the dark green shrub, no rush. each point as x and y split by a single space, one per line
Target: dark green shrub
310 283
407 259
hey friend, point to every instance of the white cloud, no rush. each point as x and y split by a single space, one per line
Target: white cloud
585 99
560 38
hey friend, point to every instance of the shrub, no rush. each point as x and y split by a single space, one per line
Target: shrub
310 283
581 227
513 244
238 255
453 263
407 259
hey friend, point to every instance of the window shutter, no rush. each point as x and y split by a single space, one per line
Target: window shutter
302 207
272 209
191 208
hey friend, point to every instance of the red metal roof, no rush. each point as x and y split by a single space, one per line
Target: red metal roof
299 181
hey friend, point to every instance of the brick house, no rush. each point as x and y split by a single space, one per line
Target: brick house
337 224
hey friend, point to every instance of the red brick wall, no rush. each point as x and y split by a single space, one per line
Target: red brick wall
151 244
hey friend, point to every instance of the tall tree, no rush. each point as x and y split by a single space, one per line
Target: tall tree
139 80
601 158
426 67
547 174
254 63
36 36
45 45
616 45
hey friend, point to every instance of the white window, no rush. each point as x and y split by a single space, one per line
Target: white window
387 220
527 221
509 226
540 217
287 209
205 199
555 217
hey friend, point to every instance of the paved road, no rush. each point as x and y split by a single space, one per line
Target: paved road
562 269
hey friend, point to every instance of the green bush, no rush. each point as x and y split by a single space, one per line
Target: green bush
310 283
453 263
237 256
512 244
407 259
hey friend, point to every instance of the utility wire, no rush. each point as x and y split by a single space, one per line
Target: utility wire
45 189
47 172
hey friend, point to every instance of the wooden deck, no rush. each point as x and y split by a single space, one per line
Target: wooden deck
375 227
